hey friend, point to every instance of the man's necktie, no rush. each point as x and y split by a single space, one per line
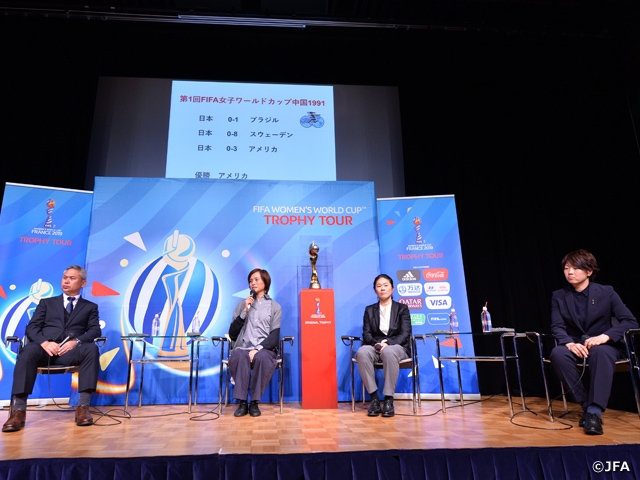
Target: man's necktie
70 304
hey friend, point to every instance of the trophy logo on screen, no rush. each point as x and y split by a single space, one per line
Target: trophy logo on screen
313 259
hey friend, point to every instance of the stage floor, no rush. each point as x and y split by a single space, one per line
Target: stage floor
169 430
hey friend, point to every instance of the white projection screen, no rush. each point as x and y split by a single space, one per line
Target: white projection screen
145 127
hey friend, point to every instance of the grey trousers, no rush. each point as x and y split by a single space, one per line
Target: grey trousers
247 382
390 358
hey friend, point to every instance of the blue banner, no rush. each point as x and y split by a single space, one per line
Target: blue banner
42 231
181 249
420 250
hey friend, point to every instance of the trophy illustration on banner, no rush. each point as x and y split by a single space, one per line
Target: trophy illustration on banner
178 249
417 222
51 204
313 258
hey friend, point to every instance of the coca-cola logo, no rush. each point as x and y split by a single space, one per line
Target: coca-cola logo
435 274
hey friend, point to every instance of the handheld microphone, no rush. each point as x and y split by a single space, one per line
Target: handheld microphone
69 337
253 294
377 347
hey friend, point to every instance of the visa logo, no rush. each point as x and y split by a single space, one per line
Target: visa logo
438 303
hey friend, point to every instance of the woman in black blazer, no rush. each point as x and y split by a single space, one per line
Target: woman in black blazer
386 336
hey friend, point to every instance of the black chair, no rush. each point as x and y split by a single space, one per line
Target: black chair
51 369
408 363
224 369
630 364
631 342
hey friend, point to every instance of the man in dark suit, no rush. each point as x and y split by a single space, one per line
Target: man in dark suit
386 337
61 332
581 322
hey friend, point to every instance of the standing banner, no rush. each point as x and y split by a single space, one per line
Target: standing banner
42 231
182 249
420 250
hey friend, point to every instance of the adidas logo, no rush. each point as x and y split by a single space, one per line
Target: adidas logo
408 277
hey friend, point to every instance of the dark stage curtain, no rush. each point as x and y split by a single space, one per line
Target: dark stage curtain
561 463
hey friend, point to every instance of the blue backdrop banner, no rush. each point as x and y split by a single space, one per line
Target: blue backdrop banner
42 231
420 250
182 249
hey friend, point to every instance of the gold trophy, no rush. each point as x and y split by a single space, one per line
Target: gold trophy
313 252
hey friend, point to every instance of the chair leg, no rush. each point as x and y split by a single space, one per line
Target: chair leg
636 386
140 387
634 364
419 389
353 388
564 400
221 375
544 377
442 400
413 387
281 386
506 374
227 388
460 383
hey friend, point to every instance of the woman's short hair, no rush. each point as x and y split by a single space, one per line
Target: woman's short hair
382 275
266 278
583 260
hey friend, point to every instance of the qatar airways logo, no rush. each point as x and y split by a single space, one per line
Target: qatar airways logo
437 288
410 289
414 303
435 274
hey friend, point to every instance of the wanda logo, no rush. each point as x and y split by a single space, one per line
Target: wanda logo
435 274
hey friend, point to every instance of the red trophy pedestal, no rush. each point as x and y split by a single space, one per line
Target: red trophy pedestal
318 349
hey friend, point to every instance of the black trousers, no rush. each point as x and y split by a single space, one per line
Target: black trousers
32 356
602 363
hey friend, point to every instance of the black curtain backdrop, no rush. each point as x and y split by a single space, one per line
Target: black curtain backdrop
532 132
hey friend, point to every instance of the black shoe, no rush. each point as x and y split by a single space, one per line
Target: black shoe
593 424
242 410
387 408
581 422
254 411
374 408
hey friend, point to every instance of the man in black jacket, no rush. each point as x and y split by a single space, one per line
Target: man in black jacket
61 332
